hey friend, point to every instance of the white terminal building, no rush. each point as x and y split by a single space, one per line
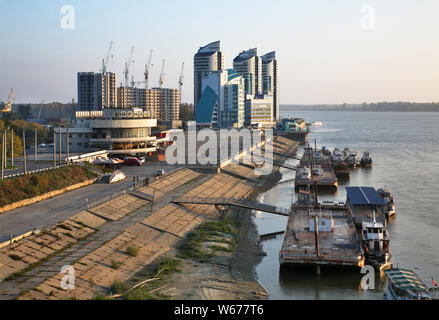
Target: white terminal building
119 131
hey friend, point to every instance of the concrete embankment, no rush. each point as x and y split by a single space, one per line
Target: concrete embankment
99 243
45 196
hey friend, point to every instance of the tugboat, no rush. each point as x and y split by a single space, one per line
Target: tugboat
376 244
366 160
404 284
390 209
353 159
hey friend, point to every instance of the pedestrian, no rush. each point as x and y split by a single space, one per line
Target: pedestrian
147 181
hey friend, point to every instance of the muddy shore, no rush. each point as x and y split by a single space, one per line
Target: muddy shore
227 276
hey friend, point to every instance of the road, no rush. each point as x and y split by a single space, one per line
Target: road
51 211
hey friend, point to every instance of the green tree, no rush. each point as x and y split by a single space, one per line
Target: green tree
187 112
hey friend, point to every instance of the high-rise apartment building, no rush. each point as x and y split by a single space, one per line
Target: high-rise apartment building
96 91
222 102
270 82
208 58
164 103
249 66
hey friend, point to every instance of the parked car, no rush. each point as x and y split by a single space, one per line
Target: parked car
131 161
142 160
160 173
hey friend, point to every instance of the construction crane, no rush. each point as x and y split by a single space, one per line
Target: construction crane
107 58
8 106
146 73
180 80
148 69
128 66
162 75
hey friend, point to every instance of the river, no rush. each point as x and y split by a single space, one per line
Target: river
405 153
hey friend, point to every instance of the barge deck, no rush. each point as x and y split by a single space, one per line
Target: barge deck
335 245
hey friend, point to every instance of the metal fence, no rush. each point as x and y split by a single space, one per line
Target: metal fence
98 202
33 171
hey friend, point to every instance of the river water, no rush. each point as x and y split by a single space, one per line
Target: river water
405 150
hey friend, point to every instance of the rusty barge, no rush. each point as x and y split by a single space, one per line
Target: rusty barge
320 235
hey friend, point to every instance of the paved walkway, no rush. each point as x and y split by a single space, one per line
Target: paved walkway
10 289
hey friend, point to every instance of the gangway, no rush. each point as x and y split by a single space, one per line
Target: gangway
286 155
223 204
283 165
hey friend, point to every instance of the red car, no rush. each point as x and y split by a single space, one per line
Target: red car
132 162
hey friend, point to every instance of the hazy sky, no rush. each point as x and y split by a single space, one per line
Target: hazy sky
328 51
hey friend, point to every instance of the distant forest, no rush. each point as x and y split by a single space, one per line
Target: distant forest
380 106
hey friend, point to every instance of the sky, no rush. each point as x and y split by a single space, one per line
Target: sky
328 51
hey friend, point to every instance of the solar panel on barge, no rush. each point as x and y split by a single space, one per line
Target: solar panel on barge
364 196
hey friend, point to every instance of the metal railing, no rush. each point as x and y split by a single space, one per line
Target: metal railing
96 203
34 171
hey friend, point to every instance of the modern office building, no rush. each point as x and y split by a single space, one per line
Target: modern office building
249 66
208 58
121 131
222 101
270 82
96 91
259 110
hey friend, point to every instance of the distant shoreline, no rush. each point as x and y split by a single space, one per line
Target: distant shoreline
373 107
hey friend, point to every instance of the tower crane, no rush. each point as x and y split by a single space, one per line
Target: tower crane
180 80
148 69
162 75
8 106
107 58
128 66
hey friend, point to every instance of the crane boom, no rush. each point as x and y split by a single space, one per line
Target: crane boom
107 58
128 66
162 74
180 80
148 69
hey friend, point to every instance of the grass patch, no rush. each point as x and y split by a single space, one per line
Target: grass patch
36 184
101 296
118 286
116 264
224 231
170 265
133 251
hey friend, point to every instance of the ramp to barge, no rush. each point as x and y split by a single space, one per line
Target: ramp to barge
224 202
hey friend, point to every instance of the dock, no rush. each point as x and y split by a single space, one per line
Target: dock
334 243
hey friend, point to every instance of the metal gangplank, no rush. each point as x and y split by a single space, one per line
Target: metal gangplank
223 204
286 155
283 165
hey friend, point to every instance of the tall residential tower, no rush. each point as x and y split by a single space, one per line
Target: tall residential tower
96 91
270 80
249 66
208 58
